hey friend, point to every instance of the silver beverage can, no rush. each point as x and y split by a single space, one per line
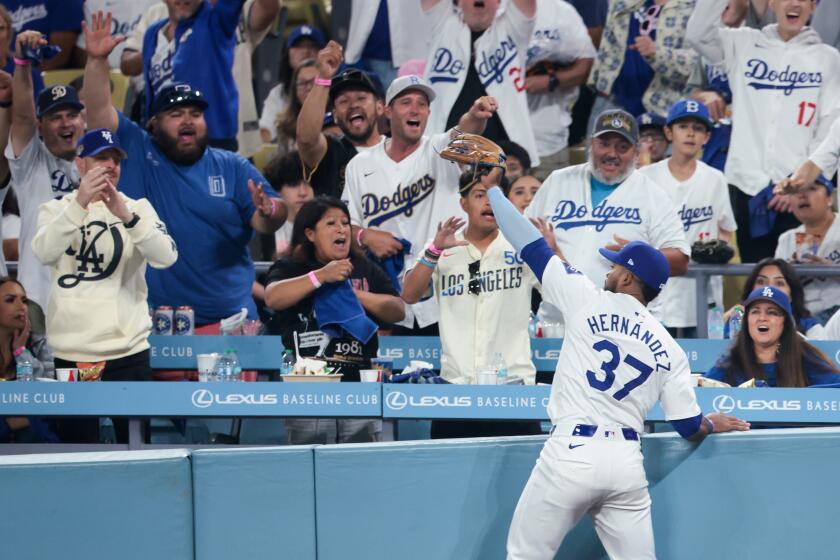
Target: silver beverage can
184 320
162 320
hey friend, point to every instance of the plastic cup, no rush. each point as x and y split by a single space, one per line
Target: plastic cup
67 374
486 377
370 375
206 365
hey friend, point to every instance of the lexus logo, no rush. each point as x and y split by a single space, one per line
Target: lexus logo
723 403
396 400
202 398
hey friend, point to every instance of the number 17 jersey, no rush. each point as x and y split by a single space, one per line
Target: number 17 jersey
617 360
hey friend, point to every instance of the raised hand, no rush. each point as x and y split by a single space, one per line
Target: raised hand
261 200
547 231
620 242
93 186
98 39
28 39
445 236
335 271
484 107
329 59
115 203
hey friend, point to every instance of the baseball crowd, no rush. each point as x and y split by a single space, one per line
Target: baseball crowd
673 122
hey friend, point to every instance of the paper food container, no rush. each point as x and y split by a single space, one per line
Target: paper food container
316 378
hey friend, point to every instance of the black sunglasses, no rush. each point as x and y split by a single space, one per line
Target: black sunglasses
474 285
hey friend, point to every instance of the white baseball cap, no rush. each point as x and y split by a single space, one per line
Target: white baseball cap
404 83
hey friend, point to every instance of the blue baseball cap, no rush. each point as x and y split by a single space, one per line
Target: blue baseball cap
826 182
650 120
306 32
98 140
769 293
57 97
689 108
179 93
647 263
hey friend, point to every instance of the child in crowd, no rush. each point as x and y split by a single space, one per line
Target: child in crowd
285 173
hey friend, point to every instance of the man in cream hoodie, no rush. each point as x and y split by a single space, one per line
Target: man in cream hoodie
97 242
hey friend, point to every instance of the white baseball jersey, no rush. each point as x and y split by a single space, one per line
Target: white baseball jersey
406 198
784 94
38 177
499 61
492 317
820 293
637 209
560 36
617 359
703 208
125 16
827 154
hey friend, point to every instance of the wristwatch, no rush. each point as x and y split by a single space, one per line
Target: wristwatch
553 82
133 221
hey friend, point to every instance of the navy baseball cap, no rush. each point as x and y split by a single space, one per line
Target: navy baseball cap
352 78
647 263
826 182
650 120
179 93
306 32
98 140
618 121
689 108
57 97
769 293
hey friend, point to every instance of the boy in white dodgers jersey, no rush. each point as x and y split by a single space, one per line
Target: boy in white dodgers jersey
702 201
617 361
401 188
784 82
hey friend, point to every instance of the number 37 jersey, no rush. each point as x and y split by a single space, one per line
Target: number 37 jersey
617 360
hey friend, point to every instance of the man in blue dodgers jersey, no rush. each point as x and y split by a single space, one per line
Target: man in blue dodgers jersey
702 199
617 361
784 84
195 45
607 202
477 49
41 153
401 188
200 193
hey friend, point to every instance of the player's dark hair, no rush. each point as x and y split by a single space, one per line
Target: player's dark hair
795 357
512 149
284 170
797 293
301 249
649 293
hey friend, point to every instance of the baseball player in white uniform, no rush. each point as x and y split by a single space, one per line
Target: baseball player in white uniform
402 189
483 290
701 196
617 361
607 202
498 61
784 83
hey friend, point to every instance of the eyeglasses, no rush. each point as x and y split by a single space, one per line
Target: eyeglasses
305 83
648 19
474 285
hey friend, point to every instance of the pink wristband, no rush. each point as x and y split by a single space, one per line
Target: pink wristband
21 61
323 82
359 237
314 279
19 351
273 208
433 250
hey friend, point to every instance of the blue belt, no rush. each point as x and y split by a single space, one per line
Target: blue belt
589 430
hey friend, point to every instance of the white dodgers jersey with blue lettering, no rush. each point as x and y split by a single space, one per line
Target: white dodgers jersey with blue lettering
617 360
499 60
407 199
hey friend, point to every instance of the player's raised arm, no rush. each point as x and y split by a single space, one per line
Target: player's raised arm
99 44
475 120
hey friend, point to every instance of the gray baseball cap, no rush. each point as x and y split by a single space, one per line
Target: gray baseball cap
618 121
405 83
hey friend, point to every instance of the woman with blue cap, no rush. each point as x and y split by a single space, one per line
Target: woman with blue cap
770 349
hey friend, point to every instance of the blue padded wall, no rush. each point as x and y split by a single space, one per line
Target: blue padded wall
254 504
91 506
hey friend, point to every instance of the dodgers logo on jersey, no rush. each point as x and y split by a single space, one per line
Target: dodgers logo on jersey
491 65
445 67
761 76
568 215
91 258
693 216
403 201
60 183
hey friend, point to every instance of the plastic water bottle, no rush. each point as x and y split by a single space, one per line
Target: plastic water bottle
287 366
735 322
235 369
24 366
500 366
715 322
222 368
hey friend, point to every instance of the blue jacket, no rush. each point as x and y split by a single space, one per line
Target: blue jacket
204 59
